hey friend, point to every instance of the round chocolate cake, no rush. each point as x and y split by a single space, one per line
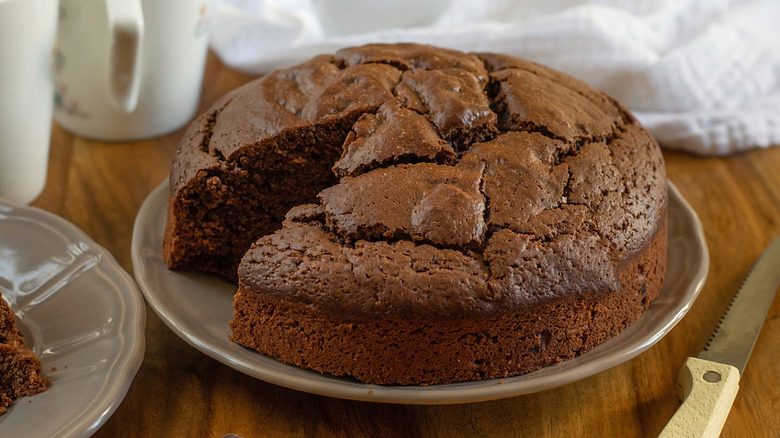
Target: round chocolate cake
405 214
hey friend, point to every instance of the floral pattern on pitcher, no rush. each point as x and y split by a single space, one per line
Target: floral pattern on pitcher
201 26
61 102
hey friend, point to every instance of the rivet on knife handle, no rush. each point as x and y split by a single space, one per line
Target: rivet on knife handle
708 390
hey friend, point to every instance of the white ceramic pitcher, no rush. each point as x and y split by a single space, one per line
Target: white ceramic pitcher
27 31
129 69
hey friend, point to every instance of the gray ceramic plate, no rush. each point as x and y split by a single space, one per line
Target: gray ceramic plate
198 308
79 311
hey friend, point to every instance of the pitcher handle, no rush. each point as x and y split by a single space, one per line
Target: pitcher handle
126 29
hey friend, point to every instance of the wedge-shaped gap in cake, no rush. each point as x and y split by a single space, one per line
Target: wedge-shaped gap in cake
225 204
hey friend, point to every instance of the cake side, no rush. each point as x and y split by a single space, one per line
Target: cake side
20 369
405 350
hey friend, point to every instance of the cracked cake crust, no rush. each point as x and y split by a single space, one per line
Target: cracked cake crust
415 215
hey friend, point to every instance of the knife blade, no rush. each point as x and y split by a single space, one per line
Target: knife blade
709 383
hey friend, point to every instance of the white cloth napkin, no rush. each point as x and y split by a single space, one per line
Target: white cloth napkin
701 75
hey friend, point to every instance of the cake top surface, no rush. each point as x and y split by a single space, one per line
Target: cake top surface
467 183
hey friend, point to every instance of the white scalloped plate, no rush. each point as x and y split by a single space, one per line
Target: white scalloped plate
80 312
198 308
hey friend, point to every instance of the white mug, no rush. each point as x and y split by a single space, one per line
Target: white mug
129 69
27 31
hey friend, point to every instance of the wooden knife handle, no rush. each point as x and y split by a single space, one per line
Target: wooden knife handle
707 390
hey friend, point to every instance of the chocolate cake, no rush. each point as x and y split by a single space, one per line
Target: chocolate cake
20 369
405 214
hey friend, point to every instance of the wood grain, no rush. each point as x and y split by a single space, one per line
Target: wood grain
180 392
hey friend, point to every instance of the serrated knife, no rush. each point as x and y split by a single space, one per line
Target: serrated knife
709 383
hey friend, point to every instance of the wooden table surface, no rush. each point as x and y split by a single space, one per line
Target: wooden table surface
179 391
